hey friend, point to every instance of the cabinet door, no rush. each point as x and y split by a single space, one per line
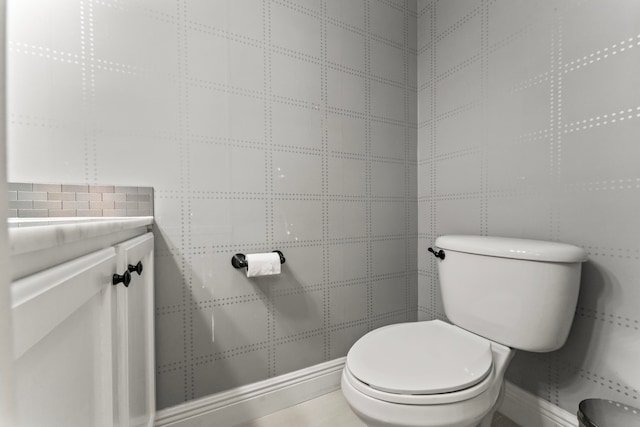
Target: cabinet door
62 343
135 349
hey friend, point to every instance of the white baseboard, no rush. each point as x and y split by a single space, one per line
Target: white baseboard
246 403
529 410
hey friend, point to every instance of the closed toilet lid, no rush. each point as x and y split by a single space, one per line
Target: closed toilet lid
420 358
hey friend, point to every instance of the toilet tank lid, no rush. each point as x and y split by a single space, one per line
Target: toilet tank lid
507 247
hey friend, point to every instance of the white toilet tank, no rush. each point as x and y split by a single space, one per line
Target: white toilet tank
520 293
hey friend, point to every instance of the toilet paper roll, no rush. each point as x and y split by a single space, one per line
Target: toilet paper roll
263 264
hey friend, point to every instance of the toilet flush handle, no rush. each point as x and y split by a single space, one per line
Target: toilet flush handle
439 254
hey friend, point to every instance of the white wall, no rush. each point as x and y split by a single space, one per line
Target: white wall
261 125
528 124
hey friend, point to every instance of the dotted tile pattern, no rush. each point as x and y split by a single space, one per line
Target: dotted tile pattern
30 200
527 127
261 125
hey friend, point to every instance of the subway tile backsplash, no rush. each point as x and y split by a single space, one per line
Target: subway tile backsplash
31 200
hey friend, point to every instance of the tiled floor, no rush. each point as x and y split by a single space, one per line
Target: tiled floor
330 410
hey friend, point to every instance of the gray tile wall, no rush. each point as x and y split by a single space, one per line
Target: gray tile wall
30 200
528 124
261 125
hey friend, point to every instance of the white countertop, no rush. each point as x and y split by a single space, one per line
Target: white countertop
34 234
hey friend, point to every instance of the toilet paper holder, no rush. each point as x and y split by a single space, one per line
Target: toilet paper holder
240 260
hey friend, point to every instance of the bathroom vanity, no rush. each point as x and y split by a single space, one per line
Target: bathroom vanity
83 346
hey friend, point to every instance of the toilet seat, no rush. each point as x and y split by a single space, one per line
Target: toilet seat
420 363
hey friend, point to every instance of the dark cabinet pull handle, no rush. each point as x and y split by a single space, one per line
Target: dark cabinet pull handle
124 279
137 268
439 254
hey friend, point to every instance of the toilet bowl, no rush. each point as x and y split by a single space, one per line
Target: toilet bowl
500 294
469 373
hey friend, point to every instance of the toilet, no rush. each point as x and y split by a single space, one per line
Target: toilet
500 294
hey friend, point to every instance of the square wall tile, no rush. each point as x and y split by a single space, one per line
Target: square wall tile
298 313
451 137
345 47
345 91
519 113
348 303
294 30
347 261
458 46
389 295
297 220
296 126
525 57
458 89
387 179
389 256
347 219
297 173
347 176
388 140
387 101
519 166
295 78
386 22
459 175
347 134
388 62
348 12
388 218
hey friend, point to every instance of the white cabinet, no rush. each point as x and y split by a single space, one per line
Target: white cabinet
63 343
135 385
83 347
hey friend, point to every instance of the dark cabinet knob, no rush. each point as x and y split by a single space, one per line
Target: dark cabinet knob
137 268
124 279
